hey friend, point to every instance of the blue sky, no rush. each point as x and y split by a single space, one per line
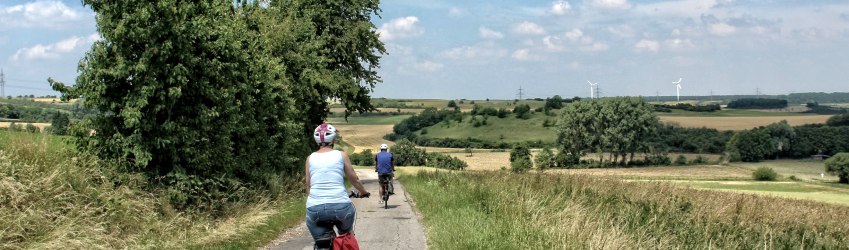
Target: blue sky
489 49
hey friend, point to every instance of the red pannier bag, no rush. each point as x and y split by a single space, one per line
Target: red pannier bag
346 241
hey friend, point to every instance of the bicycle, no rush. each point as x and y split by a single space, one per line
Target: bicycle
325 241
385 184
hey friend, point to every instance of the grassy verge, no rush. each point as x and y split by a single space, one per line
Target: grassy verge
491 210
54 197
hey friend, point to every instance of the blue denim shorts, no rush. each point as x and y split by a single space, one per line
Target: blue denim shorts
322 218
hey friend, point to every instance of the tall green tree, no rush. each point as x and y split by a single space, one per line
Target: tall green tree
331 51
186 90
59 123
839 165
616 126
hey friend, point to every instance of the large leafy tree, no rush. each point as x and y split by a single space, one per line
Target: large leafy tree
618 126
331 51
839 165
186 90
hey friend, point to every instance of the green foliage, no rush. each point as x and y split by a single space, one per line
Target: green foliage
32 128
838 120
443 161
564 159
681 160
699 160
201 96
839 165
520 151
59 123
750 146
406 154
619 125
555 102
811 140
521 165
688 107
452 104
544 160
364 158
764 174
522 111
694 140
757 103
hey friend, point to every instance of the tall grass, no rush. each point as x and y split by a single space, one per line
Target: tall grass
52 197
508 211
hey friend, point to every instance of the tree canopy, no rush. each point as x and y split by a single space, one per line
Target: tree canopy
221 90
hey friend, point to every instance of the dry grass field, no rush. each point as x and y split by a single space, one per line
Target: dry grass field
741 123
364 136
697 172
39 125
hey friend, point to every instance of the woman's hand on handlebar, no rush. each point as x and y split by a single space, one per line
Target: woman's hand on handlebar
359 195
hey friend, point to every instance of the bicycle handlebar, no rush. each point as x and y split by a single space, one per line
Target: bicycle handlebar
358 195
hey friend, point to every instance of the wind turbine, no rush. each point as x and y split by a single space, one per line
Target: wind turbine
592 90
678 88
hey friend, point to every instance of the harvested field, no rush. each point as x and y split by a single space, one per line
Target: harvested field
364 136
706 172
37 124
741 123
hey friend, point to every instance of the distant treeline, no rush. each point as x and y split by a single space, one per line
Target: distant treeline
795 98
688 107
758 103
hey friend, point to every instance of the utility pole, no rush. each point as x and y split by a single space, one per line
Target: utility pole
657 96
711 95
520 92
758 92
2 84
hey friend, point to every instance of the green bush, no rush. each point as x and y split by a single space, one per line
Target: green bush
521 165
839 165
764 174
544 160
364 158
838 120
681 160
699 160
443 161
406 154
750 145
520 151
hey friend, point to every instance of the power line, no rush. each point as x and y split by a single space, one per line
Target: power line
520 93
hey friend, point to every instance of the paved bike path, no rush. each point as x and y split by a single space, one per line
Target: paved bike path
375 227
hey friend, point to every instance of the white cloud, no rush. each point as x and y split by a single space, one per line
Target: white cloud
679 44
525 55
595 47
575 34
51 14
428 66
622 31
455 11
486 33
721 29
610 4
647 45
482 52
552 43
400 28
529 28
53 51
560 7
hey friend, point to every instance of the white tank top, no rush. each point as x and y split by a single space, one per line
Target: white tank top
327 183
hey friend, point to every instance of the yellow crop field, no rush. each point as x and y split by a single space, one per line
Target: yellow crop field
741 123
364 136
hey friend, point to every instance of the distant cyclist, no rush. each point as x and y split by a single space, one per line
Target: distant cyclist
328 204
385 167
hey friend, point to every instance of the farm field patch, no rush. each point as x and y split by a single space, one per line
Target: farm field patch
742 122
363 137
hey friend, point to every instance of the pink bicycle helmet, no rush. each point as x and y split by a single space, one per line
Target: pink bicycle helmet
325 134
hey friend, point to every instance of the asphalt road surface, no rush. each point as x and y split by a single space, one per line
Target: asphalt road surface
375 227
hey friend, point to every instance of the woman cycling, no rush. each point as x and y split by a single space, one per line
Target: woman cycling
328 204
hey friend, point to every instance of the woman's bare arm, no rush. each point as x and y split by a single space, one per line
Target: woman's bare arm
307 171
352 175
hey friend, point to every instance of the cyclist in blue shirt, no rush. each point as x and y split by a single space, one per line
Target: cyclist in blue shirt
385 167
